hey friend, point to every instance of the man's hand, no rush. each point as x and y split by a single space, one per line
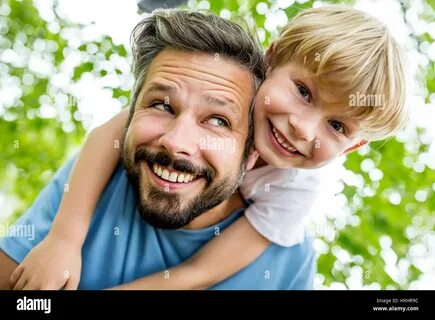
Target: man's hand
53 264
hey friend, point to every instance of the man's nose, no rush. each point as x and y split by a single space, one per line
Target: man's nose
180 137
305 127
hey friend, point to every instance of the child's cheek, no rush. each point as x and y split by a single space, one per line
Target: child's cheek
272 97
325 151
276 103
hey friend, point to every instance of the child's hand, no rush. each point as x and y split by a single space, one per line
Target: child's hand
53 264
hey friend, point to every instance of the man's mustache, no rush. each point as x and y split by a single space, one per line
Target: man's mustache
164 159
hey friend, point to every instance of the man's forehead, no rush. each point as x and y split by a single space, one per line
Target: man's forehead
213 64
191 70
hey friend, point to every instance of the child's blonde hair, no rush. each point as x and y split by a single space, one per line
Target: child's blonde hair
355 55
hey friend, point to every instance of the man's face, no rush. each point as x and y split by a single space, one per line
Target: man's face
184 145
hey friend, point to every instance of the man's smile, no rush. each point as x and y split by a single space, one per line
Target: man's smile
169 179
172 175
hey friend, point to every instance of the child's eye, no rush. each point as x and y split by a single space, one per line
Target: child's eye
163 107
218 122
337 126
304 92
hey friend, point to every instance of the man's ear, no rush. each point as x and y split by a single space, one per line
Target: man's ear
252 159
355 147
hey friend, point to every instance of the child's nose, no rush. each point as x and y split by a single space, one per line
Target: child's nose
305 128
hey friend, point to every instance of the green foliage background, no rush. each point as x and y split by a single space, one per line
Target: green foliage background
33 147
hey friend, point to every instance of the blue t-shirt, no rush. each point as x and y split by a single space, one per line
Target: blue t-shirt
121 247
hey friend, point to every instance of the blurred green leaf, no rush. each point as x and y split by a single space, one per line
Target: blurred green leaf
79 70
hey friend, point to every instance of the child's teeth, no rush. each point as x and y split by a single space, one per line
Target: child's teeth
281 142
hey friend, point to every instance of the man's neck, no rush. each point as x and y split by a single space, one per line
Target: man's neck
218 213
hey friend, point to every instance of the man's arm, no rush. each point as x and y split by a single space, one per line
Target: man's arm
7 267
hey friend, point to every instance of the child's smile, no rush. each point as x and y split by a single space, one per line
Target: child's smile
281 143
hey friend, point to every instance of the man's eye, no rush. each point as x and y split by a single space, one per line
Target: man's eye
162 106
218 122
337 126
304 92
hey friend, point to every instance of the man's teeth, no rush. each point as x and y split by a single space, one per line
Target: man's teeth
173 176
281 141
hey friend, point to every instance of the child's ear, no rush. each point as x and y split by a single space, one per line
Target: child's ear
270 53
252 159
355 147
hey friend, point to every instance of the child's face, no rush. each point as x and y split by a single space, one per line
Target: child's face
293 128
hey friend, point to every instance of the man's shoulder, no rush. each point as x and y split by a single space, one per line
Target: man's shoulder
118 181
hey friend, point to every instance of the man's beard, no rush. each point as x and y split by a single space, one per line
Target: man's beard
168 210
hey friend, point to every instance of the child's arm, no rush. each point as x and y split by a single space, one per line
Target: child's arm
92 171
226 254
56 261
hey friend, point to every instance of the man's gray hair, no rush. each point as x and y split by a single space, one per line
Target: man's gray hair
190 31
